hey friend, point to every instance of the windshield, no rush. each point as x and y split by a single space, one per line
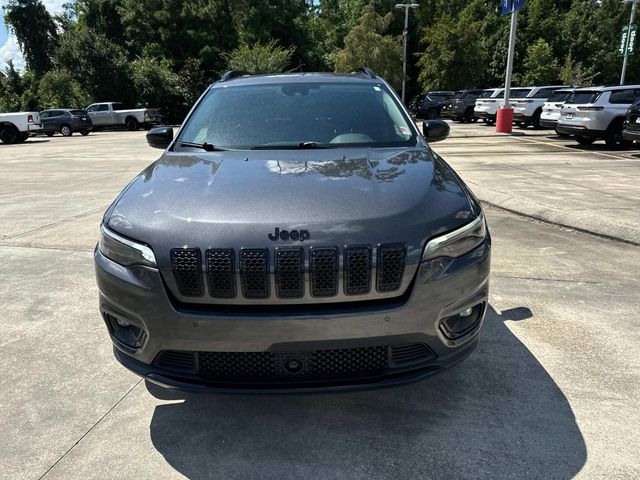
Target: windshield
558 96
294 115
583 97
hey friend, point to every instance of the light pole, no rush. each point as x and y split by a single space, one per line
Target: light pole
626 57
406 7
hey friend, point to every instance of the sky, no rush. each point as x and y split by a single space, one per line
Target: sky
9 49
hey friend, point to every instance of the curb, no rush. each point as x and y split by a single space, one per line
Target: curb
591 222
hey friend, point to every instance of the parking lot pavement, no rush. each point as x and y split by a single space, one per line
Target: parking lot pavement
540 174
551 391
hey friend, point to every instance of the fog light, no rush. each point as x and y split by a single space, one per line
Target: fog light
124 331
459 325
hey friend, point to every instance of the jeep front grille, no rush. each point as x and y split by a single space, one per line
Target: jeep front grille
185 264
221 272
357 270
254 271
289 269
324 272
391 267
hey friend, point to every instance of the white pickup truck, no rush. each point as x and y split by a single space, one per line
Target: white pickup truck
113 114
17 127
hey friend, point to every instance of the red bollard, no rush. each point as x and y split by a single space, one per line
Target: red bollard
504 120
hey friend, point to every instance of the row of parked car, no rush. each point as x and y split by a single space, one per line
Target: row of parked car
609 113
17 127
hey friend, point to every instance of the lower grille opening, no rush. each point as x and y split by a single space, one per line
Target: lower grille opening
297 366
410 354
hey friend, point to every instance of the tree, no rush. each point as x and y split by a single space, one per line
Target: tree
157 85
35 30
540 65
574 73
366 45
97 63
10 89
454 57
259 58
58 89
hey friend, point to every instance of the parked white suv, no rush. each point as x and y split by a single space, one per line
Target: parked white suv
487 106
486 103
17 127
551 108
597 113
527 111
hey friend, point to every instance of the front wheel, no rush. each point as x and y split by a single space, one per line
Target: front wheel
582 140
84 133
49 134
66 131
132 124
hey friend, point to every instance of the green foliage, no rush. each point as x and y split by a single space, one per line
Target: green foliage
157 85
367 45
58 88
35 30
100 65
10 89
453 55
259 58
574 73
540 65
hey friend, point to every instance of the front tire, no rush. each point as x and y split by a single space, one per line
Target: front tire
132 124
49 134
84 133
66 131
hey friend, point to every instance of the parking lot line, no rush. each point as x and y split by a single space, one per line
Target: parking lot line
565 147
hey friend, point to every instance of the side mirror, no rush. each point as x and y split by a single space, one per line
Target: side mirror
435 130
160 137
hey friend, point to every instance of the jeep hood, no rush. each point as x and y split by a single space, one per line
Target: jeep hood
235 199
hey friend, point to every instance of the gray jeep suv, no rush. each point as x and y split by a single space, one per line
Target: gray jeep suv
298 233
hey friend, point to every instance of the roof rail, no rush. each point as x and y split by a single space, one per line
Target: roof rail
366 71
229 74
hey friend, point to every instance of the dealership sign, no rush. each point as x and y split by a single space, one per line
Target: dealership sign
627 41
510 6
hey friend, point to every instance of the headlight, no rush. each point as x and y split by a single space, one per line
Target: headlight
458 242
124 251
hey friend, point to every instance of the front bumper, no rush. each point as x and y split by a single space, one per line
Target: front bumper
441 288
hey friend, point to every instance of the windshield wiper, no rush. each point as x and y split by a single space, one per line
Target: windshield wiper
207 147
289 146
